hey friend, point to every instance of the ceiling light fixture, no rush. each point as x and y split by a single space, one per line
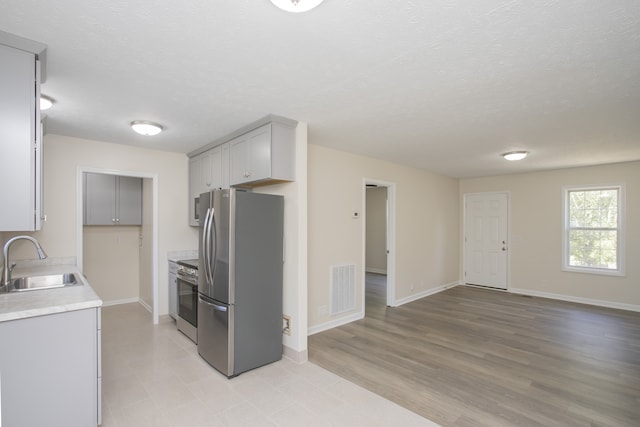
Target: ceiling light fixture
146 128
515 155
296 6
45 102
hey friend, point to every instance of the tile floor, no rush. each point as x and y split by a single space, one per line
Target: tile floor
153 376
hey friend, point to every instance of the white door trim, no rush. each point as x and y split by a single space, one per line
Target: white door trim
79 223
391 238
465 196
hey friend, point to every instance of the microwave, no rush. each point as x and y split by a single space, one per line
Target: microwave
194 217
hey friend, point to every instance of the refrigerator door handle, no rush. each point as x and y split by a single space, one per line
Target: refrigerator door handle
210 260
212 224
215 306
205 247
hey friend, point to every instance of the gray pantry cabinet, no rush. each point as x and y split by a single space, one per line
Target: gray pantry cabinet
50 370
20 139
112 199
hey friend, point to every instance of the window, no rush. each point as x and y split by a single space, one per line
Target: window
593 237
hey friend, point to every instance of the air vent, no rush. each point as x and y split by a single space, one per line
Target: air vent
343 288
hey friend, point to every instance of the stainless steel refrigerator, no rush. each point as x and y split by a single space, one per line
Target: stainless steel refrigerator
240 279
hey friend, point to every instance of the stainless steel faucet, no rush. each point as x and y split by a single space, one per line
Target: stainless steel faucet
6 271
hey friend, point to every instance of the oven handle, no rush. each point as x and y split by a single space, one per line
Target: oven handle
187 280
215 306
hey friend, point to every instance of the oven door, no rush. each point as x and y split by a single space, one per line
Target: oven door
188 301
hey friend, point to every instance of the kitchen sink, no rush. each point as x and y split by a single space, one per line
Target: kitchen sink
31 283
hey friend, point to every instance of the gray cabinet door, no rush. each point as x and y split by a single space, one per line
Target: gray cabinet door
129 200
99 199
250 156
19 130
260 143
49 370
239 160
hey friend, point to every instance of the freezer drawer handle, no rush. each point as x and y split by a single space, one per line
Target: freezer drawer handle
215 306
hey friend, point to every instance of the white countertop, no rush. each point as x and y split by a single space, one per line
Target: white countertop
20 305
174 256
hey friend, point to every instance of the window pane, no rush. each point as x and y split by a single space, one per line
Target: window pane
593 248
576 217
596 208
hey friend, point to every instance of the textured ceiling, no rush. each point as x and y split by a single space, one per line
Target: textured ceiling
443 85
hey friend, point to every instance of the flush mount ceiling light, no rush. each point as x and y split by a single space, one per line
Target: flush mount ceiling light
146 128
296 6
515 155
45 102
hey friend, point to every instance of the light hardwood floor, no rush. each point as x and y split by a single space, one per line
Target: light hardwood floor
472 357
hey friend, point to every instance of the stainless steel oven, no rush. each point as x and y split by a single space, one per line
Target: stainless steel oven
187 278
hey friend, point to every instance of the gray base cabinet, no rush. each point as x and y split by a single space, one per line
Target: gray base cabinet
173 290
50 370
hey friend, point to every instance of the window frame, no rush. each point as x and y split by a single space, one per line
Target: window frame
620 250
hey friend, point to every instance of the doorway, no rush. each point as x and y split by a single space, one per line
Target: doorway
486 243
379 245
147 236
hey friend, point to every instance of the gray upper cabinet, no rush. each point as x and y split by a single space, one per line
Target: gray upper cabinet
260 153
263 156
112 200
208 173
20 140
205 174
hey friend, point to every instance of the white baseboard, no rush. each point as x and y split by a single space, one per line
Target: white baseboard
375 270
120 301
295 355
145 305
335 323
580 300
360 315
426 293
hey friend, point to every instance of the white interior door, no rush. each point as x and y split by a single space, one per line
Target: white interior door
486 243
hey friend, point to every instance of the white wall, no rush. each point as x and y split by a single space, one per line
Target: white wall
63 156
111 261
536 233
427 227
